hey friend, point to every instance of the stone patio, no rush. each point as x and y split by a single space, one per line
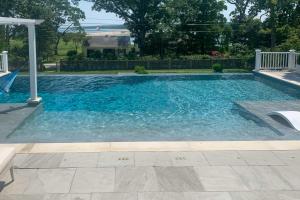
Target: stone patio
199 175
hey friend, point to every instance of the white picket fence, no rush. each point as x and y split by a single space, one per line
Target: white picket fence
277 60
4 62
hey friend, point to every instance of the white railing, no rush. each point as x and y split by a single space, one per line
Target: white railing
4 62
276 60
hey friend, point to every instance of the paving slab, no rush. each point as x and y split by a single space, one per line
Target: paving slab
67 197
207 196
261 178
51 181
13 116
114 196
291 174
136 179
184 196
178 179
288 195
289 157
22 197
116 159
260 158
254 195
153 159
224 158
23 179
188 159
220 178
161 196
89 180
38 161
79 160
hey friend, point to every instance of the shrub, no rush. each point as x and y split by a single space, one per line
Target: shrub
72 53
217 68
140 70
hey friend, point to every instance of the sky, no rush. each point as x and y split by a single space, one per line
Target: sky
103 18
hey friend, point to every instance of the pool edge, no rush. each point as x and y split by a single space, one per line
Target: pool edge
37 148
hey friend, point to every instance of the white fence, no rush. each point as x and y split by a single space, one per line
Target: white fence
277 60
4 62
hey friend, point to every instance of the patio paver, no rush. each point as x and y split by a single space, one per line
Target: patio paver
289 157
260 158
223 158
220 178
79 160
114 196
89 180
261 178
116 159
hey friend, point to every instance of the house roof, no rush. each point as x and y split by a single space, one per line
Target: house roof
118 33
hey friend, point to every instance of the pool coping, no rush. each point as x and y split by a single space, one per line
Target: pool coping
276 78
147 75
189 146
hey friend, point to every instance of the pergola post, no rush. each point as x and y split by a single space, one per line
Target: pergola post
34 99
30 23
5 61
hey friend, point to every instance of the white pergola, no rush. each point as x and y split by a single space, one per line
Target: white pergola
30 23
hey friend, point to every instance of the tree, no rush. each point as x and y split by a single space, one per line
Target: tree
196 25
56 13
64 13
77 38
6 10
141 16
240 13
278 13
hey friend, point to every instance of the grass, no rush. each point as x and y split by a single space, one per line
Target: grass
171 71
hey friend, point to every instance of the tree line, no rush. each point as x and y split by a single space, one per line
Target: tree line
199 27
170 28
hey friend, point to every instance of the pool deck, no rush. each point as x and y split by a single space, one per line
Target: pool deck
201 175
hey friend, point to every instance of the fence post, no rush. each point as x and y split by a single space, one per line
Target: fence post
257 59
57 66
5 61
292 60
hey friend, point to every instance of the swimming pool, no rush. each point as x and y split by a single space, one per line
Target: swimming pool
146 108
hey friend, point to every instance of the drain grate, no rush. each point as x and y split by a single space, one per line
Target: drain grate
123 159
180 158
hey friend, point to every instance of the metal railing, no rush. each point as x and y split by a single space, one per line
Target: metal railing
277 60
4 62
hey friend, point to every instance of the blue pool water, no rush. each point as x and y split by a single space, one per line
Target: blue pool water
144 108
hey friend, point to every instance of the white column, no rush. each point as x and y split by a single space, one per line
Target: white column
34 99
292 60
5 61
257 59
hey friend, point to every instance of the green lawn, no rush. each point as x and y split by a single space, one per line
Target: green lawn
172 71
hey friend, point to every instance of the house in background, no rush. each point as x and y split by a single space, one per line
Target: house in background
107 44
